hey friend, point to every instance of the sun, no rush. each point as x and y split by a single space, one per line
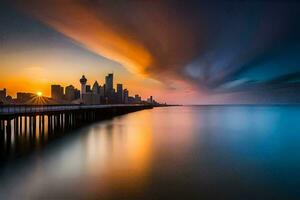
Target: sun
39 94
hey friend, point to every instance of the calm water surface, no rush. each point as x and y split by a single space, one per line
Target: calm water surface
217 152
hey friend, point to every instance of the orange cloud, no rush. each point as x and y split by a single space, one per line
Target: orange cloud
79 22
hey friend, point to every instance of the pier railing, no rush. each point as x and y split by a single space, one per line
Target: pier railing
30 109
21 122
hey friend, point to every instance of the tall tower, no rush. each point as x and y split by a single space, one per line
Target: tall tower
126 94
83 81
109 83
120 93
57 92
95 88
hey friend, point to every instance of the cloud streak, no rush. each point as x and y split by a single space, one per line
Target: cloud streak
79 22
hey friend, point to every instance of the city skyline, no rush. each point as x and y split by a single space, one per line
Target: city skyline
89 93
45 89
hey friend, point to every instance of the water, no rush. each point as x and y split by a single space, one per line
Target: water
208 152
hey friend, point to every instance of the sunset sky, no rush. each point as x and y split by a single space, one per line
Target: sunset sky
190 53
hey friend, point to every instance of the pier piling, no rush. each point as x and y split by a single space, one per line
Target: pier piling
36 122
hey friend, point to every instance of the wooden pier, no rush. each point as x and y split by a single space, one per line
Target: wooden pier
30 120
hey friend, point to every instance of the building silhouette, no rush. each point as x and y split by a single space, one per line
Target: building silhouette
137 99
3 93
96 98
109 83
126 95
90 95
57 92
88 88
3 96
102 91
71 93
150 100
82 81
24 97
95 88
120 93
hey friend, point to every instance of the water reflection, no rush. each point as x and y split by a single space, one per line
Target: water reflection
28 133
167 153
104 157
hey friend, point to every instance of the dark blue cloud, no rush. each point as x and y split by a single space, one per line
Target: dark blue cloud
254 43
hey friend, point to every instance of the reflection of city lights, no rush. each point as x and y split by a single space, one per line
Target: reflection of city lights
39 94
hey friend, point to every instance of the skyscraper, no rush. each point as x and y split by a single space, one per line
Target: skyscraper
101 90
70 93
137 99
57 92
109 83
3 93
25 97
88 89
96 93
150 100
126 94
77 93
120 93
95 88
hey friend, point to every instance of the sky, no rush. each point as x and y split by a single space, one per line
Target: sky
193 52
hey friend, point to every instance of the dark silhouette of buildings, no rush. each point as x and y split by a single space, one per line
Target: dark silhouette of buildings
98 94
71 93
3 98
3 93
106 94
57 92
24 97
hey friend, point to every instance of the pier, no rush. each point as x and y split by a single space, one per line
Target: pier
39 121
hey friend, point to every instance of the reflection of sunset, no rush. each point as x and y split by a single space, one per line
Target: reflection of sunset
120 153
174 141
